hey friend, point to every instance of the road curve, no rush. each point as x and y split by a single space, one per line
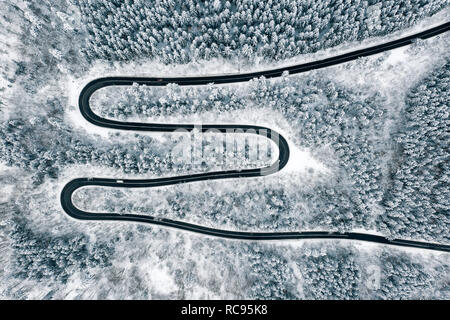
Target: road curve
89 115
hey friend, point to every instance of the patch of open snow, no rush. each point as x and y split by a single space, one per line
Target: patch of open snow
3 167
302 160
396 70
159 279
6 192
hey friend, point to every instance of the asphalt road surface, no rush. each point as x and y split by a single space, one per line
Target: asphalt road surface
89 115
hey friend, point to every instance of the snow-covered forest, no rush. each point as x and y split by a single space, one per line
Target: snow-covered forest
369 142
180 31
417 200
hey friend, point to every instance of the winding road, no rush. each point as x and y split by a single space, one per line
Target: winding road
89 115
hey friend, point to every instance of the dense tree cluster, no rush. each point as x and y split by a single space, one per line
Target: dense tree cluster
257 209
40 256
337 125
404 279
172 100
43 147
38 149
269 275
332 275
417 201
181 31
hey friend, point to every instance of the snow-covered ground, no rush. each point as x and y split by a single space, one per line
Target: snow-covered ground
135 261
